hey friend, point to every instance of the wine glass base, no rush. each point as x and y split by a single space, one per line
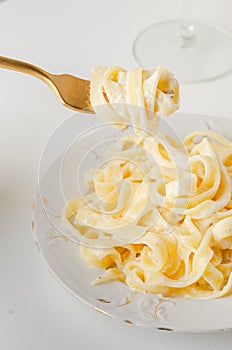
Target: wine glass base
207 55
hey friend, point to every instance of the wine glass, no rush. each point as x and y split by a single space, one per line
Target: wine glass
194 50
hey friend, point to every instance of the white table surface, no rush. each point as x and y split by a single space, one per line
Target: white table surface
71 36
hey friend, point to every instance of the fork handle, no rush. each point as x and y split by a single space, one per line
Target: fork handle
24 67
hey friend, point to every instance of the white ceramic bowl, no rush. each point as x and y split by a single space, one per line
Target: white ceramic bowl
61 251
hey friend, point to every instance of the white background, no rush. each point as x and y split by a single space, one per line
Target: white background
71 36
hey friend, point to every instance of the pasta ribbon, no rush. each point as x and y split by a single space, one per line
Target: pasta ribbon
136 197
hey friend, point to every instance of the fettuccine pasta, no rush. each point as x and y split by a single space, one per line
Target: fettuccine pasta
164 209
117 94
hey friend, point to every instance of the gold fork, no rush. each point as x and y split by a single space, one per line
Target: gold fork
73 92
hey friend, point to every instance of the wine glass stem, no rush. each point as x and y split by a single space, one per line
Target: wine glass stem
187 30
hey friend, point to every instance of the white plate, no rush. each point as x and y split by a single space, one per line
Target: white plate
62 254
